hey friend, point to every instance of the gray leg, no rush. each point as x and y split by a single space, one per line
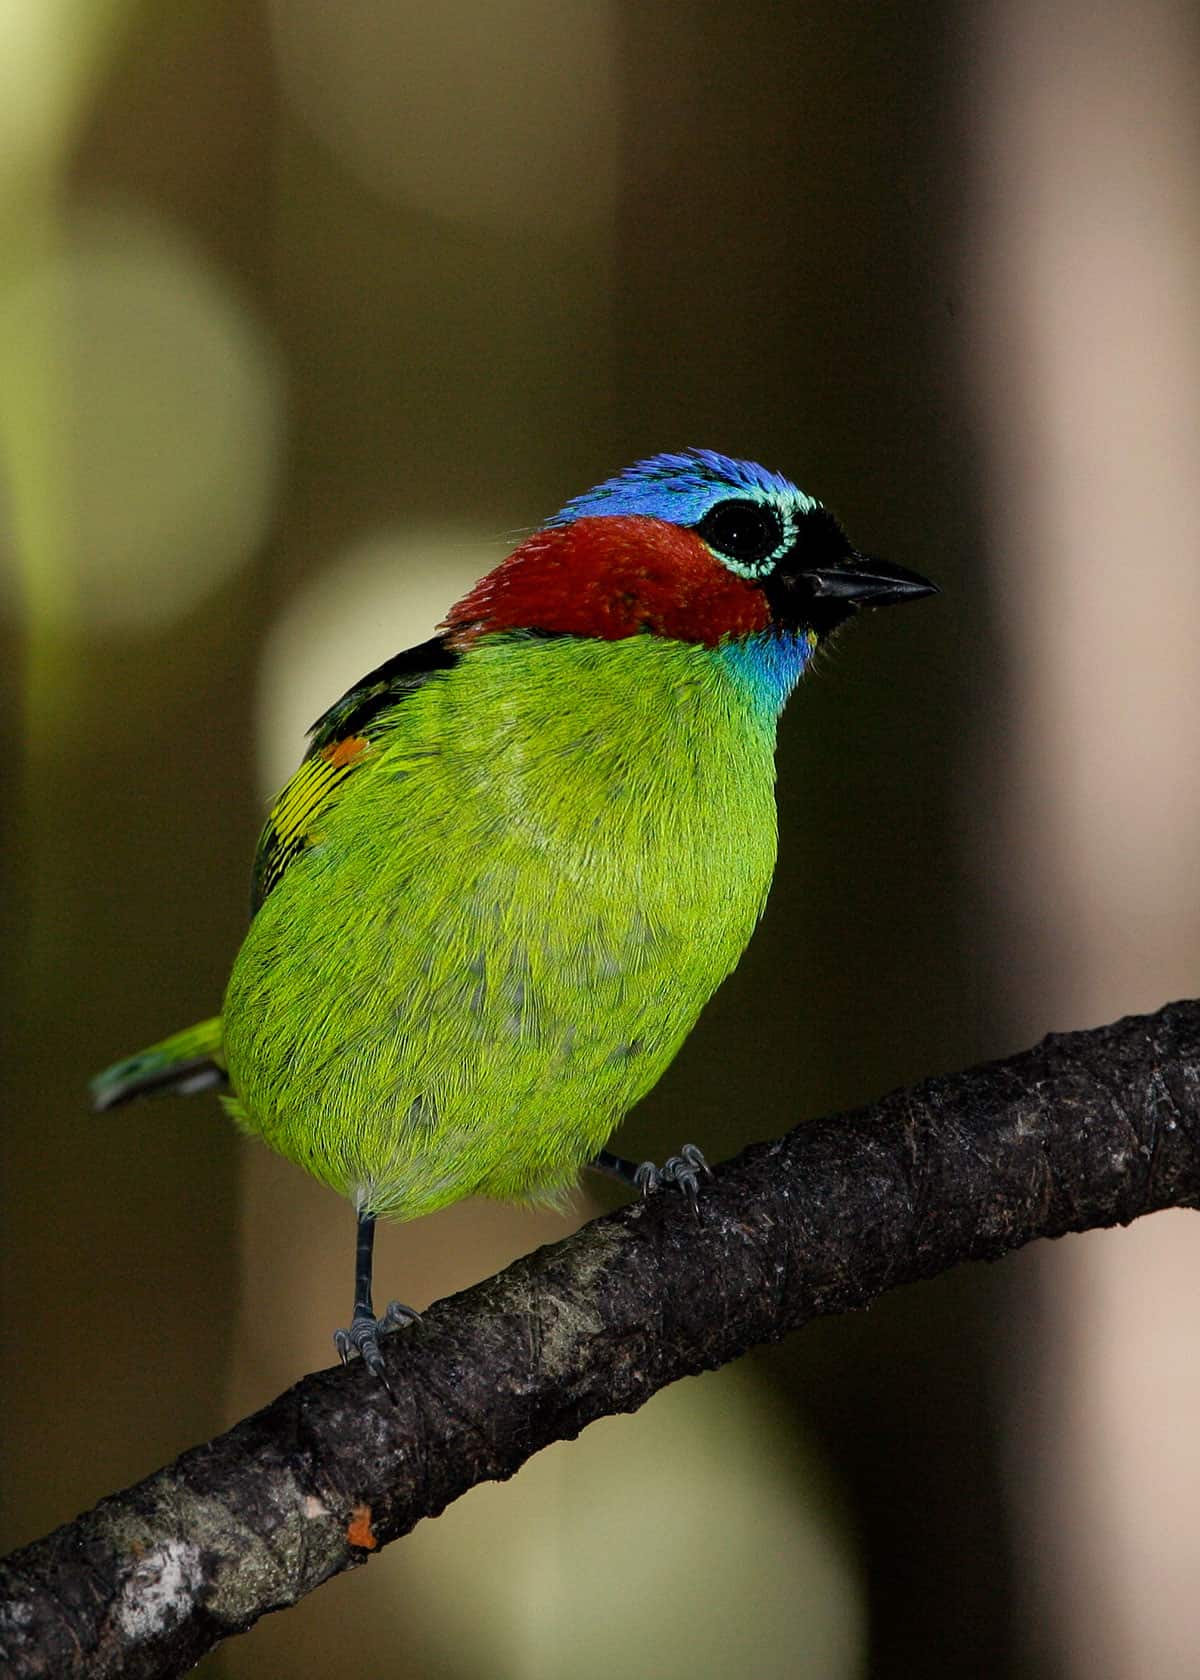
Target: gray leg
365 1329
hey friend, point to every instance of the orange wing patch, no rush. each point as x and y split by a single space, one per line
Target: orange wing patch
343 753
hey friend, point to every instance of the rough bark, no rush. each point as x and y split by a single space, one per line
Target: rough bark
1087 1129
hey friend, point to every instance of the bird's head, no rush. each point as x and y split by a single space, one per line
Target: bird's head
693 547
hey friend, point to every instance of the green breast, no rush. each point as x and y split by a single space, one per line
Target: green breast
510 919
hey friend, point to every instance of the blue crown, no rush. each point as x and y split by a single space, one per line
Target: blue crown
681 489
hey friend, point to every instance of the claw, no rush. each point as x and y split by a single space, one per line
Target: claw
363 1338
372 1358
648 1178
398 1314
695 1158
682 1170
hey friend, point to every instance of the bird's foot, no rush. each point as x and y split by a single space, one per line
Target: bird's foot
364 1333
684 1171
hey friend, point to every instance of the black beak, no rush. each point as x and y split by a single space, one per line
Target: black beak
861 581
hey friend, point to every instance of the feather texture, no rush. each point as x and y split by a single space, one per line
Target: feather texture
517 860
338 744
514 912
681 488
187 1062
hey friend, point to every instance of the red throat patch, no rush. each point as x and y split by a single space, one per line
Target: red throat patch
610 578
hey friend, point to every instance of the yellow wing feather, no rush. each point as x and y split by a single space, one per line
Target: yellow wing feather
290 826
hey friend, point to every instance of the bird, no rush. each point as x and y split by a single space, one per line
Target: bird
517 860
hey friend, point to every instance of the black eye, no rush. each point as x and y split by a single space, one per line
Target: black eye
746 533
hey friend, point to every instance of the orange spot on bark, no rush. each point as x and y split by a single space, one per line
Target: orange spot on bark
359 1532
344 752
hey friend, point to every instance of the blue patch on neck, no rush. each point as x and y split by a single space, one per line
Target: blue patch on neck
767 666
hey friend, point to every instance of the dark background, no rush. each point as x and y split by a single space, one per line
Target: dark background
304 310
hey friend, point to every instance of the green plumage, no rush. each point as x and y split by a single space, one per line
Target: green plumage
188 1061
517 861
505 920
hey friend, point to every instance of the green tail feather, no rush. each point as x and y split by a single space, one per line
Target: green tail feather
192 1060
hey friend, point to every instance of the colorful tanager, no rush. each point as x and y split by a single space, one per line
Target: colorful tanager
516 861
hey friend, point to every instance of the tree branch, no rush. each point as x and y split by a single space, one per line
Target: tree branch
1087 1129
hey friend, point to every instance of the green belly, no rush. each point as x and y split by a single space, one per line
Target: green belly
509 922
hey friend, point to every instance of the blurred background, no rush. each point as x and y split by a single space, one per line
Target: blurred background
305 311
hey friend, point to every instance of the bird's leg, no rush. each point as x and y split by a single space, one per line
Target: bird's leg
365 1329
683 1170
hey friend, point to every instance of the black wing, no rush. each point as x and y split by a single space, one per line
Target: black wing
389 683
